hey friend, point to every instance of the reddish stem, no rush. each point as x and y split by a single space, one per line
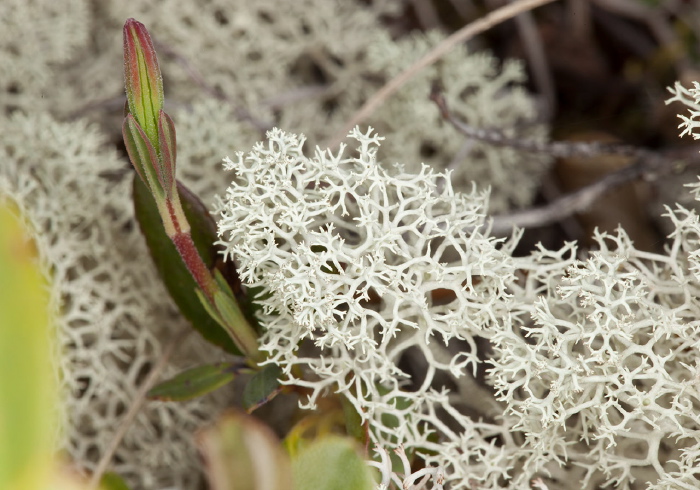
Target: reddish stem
194 263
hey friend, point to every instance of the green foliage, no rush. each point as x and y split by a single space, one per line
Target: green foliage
144 83
172 270
243 454
195 382
262 387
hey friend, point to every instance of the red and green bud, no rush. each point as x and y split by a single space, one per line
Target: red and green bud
144 83
148 132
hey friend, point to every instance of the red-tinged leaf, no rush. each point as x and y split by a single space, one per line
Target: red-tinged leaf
262 387
144 84
172 270
142 155
196 382
168 152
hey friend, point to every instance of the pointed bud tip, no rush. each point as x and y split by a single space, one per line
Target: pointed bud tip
132 23
144 85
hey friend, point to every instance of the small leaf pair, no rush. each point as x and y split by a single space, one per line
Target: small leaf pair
200 380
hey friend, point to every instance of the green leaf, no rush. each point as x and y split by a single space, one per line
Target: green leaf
112 481
195 382
172 270
209 307
227 278
331 463
230 314
27 389
241 453
262 387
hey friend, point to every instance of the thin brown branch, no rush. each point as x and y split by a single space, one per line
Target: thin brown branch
580 200
556 149
649 165
579 18
467 32
134 409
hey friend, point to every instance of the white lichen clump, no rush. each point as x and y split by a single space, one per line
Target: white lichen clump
605 376
361 267
377 284
483 92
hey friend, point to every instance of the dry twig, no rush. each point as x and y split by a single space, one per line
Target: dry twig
648 165
556 149
580 200
467 32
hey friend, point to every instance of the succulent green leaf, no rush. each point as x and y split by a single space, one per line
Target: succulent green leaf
142 155
262 387
331 463
27 390
172 270
243 454
144 84
195 382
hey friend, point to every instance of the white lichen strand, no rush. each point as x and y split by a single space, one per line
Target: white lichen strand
429 478
357 265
